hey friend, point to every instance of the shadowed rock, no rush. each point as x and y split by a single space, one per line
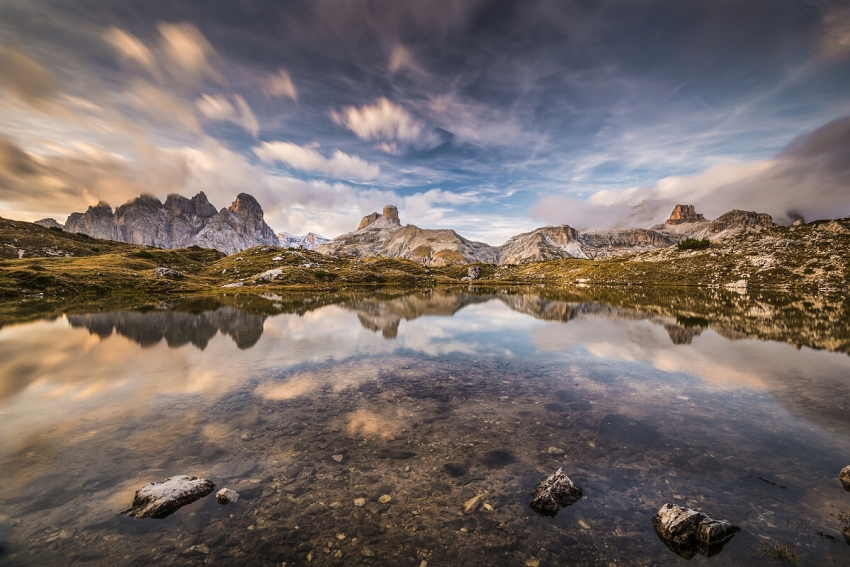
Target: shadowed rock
555 492
687 532
161 499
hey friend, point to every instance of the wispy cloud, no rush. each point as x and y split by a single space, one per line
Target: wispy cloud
389 124
340 165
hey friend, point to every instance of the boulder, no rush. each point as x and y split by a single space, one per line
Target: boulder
161 499
687 532
473 273
844 475
553 493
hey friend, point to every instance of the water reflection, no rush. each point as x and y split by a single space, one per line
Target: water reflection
305 403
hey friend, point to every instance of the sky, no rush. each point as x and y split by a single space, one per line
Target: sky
488 117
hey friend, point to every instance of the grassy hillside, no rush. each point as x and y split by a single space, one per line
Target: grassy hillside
41 261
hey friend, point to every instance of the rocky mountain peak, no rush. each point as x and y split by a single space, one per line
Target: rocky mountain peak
684 214
389 216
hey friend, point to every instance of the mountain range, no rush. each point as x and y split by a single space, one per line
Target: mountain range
383 235
181 222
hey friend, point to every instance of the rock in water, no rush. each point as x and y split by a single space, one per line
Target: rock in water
844 475
161 499
553 493
226 495
687 532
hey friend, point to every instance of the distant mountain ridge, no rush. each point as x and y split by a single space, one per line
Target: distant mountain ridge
177 223
307 242
383 235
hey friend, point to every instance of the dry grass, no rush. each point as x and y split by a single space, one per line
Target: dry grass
780 552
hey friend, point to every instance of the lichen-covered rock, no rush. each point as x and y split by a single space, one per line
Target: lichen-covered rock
687 532
553 493
844 475
161 499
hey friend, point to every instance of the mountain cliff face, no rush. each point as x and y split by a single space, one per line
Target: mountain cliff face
178 223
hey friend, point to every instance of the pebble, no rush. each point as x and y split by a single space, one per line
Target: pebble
200 549
359 502
366 552
337 458
340 537
488 507
385 498
555 451
334 505
584 524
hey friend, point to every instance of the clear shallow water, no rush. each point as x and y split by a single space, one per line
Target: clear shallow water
431 399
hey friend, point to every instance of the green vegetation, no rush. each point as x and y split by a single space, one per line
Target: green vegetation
693 244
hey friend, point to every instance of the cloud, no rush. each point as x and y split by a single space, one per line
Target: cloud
216 107
340 165
28 80
280 84
246 116
187 52
808 178
401 59
835 41
388 123
161 105
130 47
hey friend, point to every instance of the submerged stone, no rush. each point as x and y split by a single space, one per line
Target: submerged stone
161 499
471 505
553 493
687 532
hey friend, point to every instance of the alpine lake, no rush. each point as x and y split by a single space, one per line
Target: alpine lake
358 427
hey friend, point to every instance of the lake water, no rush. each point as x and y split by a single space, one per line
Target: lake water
731 404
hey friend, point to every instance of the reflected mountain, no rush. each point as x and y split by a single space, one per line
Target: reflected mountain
176 327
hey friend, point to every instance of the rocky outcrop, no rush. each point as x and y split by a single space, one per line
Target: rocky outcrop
687 532
382 235
553 493
178 223
546 243
49 223
161 499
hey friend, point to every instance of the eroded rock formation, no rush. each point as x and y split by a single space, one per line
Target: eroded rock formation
687 532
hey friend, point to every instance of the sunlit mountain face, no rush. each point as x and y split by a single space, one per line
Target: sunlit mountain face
490 118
